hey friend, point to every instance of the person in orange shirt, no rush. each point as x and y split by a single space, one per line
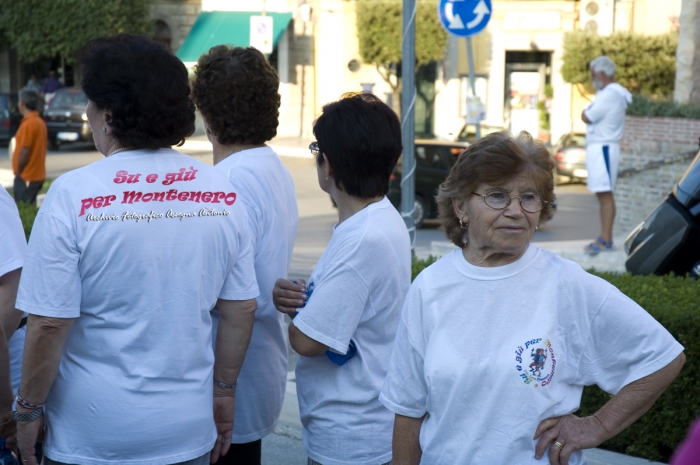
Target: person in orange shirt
29 157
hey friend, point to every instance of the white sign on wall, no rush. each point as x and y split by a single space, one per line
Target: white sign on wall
531 21
261 33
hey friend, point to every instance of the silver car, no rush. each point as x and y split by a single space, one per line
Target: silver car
570 156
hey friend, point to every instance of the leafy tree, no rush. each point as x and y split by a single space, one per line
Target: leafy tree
380 29
45 28
645 64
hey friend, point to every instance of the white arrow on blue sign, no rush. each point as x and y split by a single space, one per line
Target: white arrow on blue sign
464 18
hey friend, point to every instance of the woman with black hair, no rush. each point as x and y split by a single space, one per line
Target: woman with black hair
127 258
346 329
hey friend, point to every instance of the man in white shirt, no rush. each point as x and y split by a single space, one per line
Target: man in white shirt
605 121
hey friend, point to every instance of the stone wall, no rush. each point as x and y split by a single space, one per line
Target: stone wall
179 15
647 140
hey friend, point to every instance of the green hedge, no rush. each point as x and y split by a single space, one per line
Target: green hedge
675 302
645 64
642 106
27 212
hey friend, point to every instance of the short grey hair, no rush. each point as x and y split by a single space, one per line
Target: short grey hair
29 98
604 65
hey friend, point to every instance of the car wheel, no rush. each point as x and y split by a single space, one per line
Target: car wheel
419 212
54 144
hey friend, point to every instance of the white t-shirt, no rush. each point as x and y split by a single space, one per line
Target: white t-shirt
358 285
606 114
267 191
13 246
136 247
488 353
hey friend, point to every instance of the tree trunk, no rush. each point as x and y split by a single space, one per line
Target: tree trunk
386 74
687 88
396 100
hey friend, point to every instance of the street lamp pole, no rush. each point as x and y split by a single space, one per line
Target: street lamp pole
408 100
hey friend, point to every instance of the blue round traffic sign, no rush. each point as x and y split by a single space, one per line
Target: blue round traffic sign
464 18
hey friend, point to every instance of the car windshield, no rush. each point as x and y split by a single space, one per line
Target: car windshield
468 132
577 140
70 99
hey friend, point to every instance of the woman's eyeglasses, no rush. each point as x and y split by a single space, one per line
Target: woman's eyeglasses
531 203
314 148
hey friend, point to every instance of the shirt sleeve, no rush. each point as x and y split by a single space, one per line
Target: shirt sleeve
405 390
601 106
20 141
240 284
334 310
50 284
14 245
625 344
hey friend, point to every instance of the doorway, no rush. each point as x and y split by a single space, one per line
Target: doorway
525 93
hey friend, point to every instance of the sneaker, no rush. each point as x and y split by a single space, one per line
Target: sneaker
599 245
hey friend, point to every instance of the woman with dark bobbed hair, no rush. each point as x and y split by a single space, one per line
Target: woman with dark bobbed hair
128 256
236 90
498 338
346 329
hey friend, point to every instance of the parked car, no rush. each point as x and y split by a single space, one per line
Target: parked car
434 159
9 116
65 117
468 132
570 156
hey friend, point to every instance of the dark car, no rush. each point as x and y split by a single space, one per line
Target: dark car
9 117
570 156
434 159
65 117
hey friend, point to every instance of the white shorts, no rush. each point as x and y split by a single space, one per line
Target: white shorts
601 162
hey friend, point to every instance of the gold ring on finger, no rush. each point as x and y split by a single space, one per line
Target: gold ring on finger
559 445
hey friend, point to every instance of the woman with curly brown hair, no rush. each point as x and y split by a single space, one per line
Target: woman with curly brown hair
498 338
127 258
236 90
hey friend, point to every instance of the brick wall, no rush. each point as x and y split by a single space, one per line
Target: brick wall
650 139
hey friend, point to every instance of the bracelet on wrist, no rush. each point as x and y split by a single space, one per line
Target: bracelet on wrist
25 403
224 385
27 417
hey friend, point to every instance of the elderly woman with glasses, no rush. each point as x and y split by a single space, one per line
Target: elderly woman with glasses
498 338
345 332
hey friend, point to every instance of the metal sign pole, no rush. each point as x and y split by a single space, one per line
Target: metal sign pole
465 18
408 100
472 83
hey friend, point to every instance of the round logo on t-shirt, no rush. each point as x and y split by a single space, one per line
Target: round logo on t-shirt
535 362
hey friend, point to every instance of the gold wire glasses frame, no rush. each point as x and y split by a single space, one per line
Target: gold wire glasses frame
530 203
313 147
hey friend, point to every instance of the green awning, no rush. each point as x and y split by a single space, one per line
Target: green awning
225 27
